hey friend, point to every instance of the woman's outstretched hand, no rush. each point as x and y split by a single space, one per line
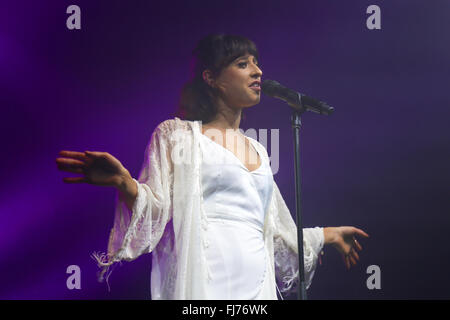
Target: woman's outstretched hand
345 241
98 168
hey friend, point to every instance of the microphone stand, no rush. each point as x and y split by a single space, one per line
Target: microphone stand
299 103
296 124
298 107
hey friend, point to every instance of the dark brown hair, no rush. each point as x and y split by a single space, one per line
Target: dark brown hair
214 52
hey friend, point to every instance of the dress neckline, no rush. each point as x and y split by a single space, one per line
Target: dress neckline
238 160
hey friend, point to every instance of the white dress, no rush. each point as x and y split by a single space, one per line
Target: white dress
168 220
235 201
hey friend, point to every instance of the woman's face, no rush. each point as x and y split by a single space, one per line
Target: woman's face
240 82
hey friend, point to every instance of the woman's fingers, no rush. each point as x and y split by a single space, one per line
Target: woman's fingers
96 154
352 258
349 260
69 162
361 233
70 165
75 180
358 245
346 261
95 167
73 154
354 254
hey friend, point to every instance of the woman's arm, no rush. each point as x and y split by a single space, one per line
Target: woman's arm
286 247
127 189
143 205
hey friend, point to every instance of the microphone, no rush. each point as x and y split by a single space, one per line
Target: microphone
295 99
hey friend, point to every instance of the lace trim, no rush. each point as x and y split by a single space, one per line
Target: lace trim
104 262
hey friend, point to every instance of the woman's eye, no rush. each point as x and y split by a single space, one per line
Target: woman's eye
242 64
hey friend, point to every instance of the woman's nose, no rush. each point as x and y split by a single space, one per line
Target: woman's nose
257 71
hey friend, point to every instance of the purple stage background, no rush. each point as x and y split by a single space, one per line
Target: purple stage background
379 163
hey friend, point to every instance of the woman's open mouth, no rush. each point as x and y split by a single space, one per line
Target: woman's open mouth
256 86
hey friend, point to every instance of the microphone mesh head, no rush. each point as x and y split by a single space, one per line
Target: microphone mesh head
269 87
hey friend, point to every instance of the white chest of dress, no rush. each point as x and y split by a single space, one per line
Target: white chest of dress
235 201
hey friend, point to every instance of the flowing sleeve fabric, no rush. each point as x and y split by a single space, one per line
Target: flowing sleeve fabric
138 231
286 249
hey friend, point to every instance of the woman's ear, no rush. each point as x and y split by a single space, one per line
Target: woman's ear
207 77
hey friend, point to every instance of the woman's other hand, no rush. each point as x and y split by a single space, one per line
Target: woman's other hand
345 241
98 168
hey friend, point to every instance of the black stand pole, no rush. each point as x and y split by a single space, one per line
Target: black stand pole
299 103
296 124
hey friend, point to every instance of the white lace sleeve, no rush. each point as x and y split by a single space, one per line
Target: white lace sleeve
286 249
138 231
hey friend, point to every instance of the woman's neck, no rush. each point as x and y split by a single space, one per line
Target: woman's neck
226 118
